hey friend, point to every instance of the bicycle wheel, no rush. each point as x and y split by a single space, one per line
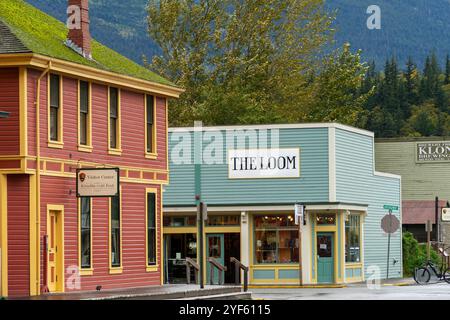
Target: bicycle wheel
422 276
447 275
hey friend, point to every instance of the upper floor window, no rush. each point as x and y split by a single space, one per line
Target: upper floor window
150 134
114 120
55 109
84 117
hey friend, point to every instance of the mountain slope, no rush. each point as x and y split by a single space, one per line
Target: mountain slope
409 27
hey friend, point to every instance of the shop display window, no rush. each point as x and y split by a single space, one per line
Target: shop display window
276 239
223 220
180 221
326 219
353 239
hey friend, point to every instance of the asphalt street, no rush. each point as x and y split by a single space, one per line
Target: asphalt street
439 291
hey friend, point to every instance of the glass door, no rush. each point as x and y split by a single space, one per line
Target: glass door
214 249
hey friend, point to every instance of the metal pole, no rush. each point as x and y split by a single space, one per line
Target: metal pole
436 214
389 244
200 241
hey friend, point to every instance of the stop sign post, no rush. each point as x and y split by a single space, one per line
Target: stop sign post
390 224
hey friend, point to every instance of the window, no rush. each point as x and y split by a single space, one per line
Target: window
150 132
84 118
55 111
115 232
151 228
276 239
326 219
180 221
114 121
230 220
352 239
85 233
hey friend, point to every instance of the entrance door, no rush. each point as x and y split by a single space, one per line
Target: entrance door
325 259
214 249
54 255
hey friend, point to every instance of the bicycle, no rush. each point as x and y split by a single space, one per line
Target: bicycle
423 275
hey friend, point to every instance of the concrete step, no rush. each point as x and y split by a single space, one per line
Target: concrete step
225 296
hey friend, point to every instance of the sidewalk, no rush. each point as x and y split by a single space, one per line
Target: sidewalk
398 282
178 291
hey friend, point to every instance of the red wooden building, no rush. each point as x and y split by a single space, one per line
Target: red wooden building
93 108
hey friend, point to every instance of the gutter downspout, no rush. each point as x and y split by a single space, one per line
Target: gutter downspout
38 179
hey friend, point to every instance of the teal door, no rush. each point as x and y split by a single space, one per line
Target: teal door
215 249
325 258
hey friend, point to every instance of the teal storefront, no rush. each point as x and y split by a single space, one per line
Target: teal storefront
253 177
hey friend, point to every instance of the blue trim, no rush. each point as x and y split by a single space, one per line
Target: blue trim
313 246
339 247
288 274
264 274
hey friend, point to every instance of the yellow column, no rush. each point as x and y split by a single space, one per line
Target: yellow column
34 240
3 237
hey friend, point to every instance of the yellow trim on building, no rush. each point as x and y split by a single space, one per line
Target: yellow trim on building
154 153
3 235
60 270
94 74
23 111
34 245
155 267
59 143
88 146
119 269
85 271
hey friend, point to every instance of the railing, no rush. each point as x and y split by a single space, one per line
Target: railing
238 267
221 268
445 256
191 264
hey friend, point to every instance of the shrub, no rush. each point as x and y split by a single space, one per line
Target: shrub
415 254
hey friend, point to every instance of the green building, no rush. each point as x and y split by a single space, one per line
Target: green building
424 165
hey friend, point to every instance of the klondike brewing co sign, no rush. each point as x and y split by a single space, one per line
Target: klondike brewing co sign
433 151
264 163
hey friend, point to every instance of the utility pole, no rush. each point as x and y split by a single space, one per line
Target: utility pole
436 213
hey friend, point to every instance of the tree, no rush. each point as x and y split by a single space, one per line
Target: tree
337 89
447 70
239 61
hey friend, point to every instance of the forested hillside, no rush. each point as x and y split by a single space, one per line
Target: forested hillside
409 27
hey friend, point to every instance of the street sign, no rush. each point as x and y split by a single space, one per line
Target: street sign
299 213
445 214
390 224
389 207
428 226
98 182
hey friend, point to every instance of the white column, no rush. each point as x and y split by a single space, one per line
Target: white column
306 250
245 244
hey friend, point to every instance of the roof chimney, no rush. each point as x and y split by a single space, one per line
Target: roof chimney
79 37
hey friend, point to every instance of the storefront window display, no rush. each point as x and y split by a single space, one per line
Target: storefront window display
352 239
326 219
229 220
180 221
276 239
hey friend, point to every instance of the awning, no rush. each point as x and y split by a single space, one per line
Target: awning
419 211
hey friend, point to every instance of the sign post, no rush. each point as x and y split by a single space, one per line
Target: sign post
299 220
390 225
429 229
202 216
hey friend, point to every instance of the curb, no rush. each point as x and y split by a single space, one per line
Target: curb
297 286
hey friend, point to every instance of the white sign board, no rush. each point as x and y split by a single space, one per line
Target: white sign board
98 182
264 163
299 214
445 214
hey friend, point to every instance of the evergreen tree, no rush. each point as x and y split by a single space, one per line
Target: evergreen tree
447 70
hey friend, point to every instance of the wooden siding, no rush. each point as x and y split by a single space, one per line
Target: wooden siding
420 181
60 191
132 113
312 186
9 102
356 183
18 236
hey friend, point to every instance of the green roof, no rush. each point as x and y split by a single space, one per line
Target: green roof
42 34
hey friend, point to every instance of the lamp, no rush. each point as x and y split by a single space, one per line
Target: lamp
347 214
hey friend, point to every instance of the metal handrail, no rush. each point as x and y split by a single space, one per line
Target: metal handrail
221 268
191 263
238 267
